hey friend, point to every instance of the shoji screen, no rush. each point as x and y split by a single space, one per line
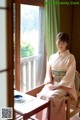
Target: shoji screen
6 54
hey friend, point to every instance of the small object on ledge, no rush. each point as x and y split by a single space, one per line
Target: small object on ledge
18 98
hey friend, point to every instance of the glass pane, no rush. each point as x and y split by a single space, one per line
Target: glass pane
3 37
32 46
2 3
3 89
30 27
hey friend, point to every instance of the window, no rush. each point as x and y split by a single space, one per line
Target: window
31 55
30 25
29 46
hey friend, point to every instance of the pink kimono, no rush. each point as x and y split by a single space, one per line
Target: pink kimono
60 75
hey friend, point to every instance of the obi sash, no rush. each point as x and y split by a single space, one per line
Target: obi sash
58 75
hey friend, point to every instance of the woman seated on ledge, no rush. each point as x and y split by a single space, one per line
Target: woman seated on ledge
59 80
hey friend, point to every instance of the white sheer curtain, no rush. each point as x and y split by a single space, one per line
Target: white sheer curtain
41 62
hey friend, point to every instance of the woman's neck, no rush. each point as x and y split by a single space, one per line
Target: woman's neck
60 52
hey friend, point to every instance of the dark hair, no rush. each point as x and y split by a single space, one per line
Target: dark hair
62 36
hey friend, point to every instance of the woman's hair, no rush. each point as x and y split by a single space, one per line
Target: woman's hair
62 36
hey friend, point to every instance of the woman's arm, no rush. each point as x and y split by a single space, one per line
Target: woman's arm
68 79
49 77
53 87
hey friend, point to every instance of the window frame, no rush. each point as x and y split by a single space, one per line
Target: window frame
17 34
31 2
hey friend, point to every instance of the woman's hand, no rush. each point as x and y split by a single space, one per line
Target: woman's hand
53 87
47 83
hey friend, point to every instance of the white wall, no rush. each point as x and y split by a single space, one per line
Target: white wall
3 90
3 56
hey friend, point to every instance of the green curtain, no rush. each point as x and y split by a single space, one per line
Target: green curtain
52 25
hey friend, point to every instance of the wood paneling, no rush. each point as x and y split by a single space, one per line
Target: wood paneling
70 23
66 19
76 35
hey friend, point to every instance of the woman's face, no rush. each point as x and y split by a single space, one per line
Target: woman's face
61 45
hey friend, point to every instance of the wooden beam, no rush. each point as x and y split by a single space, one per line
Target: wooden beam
10 54
17 45
31 2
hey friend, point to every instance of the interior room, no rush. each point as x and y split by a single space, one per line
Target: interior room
28 38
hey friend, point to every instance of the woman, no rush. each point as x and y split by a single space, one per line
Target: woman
59 80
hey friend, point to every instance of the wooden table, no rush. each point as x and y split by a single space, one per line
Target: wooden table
30 106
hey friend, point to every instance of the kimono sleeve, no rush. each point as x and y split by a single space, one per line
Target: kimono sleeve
68 79
48 78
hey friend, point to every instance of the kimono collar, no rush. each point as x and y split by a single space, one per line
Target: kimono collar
63 53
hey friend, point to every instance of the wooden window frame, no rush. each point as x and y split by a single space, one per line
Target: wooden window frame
17 34
31 2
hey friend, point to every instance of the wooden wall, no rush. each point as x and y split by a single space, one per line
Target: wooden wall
70 23
76 36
